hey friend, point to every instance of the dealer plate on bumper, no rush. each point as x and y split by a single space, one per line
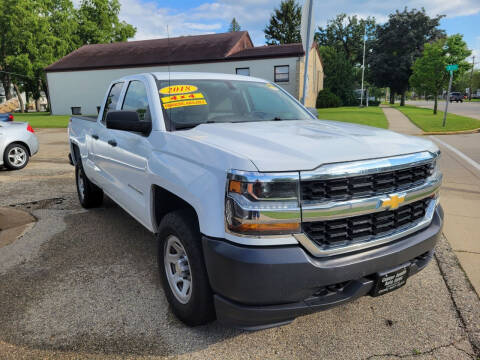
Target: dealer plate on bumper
391 280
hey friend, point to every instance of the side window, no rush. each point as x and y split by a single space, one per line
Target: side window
112 99
136 99
282 73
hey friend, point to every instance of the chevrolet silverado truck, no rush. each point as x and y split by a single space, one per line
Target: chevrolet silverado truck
262 212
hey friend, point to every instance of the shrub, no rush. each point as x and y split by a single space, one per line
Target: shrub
327 99
374 102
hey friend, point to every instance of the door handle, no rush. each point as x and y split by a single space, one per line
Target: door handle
112 142
95 136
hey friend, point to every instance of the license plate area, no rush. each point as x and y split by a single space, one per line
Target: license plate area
391 280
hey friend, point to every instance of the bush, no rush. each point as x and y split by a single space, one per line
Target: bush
327 99
374 102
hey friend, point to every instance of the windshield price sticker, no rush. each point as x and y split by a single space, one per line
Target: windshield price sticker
178 89
183 103
193 96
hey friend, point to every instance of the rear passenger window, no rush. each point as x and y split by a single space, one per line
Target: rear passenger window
136 99
112 100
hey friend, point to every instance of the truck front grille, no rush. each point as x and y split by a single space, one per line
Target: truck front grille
366 185
344 231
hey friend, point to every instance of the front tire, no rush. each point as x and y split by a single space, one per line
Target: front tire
16 156
89 194
182 268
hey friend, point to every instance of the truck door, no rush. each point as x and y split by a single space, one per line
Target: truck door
99 137
128 155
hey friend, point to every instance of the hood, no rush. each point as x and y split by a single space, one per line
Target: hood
305 144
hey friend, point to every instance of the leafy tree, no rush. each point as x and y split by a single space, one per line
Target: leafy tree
284 25
339 74
345 33
36 33
399 42
429 73
234 26
98 22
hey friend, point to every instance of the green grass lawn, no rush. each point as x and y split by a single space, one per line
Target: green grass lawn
43 120
428 122
372 115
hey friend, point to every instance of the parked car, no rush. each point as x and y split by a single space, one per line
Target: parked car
262 211
18 143
6 117
456 96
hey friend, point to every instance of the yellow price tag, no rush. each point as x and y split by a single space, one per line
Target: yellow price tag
193 96
177 89
184 103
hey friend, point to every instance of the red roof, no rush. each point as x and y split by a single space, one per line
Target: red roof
179 50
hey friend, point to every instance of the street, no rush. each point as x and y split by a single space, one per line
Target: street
84 284
471 109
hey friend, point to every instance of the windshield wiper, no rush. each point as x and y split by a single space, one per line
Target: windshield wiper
191 125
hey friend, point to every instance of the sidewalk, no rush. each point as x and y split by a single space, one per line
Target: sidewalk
459 196
399 122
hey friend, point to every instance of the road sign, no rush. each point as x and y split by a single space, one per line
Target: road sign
453 67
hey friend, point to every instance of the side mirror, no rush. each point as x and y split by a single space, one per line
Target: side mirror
127 121
313 111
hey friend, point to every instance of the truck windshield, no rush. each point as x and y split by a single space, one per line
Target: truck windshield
188 103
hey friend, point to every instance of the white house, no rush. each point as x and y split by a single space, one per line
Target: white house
81 78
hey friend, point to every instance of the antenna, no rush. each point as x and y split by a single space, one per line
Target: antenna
169 89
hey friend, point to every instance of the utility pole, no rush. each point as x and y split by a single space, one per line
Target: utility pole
471 80
307 29
363 64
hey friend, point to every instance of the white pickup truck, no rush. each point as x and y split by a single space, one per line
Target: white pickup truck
262 212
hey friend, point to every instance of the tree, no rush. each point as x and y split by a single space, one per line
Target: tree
429 73
36 33
339 74
98 22
234 26
284 25
346 34
399 42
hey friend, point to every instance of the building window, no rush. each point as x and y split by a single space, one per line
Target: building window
243 71
282 73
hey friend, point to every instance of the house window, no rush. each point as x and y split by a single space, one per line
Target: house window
282 73
243 71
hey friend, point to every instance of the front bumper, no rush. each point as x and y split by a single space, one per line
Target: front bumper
258 287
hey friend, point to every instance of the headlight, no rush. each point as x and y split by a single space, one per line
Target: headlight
262 204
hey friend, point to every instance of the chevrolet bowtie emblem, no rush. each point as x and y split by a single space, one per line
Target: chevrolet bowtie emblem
393 202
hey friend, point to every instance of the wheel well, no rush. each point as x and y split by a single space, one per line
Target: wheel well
21 143
165 202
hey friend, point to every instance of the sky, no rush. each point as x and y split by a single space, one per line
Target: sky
193 17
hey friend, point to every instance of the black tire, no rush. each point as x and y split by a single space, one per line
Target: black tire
89 195
198 309
9 162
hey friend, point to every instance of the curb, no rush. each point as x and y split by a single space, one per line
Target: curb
473 131
464 297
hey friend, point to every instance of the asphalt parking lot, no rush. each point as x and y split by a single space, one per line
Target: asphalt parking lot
84 284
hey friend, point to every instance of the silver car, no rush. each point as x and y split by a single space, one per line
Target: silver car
18 143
